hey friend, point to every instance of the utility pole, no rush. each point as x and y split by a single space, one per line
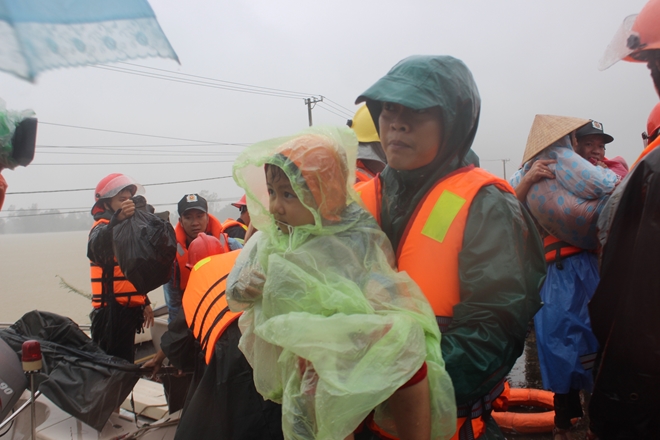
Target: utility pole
310 103
504 161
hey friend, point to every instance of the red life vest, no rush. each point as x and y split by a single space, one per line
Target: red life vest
213 228
111 281
205 303
430 245
555 249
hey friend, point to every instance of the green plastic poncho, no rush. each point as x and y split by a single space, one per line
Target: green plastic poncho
336 330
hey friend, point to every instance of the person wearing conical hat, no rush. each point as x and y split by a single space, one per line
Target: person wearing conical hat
566 345
624 309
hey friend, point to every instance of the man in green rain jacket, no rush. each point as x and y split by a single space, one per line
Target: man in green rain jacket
458 231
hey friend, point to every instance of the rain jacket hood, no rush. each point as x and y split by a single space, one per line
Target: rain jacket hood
421 82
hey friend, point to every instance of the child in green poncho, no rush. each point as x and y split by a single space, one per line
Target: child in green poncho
331 330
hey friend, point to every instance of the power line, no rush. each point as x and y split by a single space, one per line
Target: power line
92 189
199 83
61 164
43 214
226 85
131 133
334 113
339 107
131 153
84 210
219 80
215 144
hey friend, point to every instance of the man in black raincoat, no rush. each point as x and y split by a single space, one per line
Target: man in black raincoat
624 310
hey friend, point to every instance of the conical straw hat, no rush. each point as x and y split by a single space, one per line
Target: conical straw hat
547 129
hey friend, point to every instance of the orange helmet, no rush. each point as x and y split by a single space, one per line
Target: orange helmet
204 246
638 34
653 124
240 203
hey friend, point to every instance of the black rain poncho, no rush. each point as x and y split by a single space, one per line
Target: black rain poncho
76 375
336 331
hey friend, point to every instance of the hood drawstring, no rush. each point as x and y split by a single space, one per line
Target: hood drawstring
290 246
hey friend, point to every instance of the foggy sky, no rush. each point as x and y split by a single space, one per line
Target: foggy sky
527 57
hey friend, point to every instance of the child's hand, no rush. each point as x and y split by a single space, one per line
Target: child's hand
255 286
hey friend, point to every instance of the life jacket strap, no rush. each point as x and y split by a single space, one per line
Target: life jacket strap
194 322
443 322
216 321
479 407
561 249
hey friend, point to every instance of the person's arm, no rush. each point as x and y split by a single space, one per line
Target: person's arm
538 171
178 344
246 280
501 269
99 244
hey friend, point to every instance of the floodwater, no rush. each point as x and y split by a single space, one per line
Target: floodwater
30 269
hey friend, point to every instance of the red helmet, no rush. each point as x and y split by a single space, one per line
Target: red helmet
242 202
112 184
638 33
204 246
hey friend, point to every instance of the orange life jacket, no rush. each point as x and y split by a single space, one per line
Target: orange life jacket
205 303
362 173
434 236
106 281
230 223
214 228
650 147
556 250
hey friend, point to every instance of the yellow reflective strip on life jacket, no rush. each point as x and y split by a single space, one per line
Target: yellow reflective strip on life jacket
201 263
442 215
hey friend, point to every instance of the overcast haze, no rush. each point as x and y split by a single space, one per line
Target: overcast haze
527 57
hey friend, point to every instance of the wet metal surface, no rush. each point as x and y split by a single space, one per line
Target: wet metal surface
526 373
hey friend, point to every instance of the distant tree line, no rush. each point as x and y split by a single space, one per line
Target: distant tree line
32 219
27 220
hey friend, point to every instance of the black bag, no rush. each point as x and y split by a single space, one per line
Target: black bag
145 247
77 375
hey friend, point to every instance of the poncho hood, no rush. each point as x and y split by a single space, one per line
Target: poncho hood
320 164
421 82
